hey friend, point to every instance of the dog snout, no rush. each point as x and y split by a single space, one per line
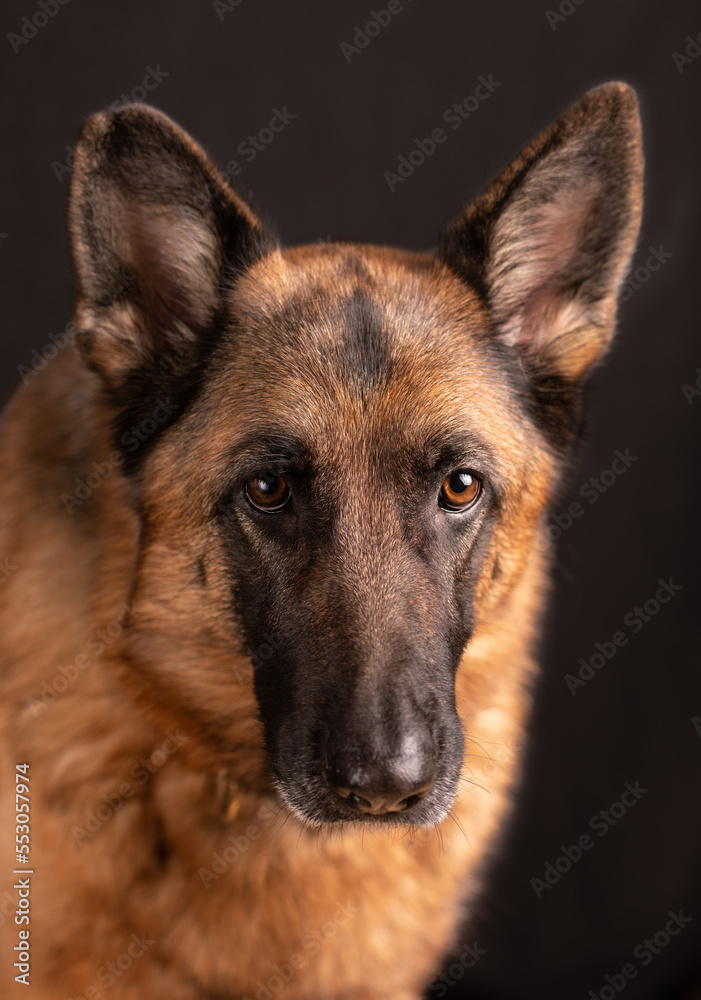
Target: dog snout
385 783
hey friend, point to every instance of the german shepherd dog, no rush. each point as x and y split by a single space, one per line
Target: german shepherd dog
273 529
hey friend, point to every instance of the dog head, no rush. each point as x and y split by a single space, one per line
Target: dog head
339 456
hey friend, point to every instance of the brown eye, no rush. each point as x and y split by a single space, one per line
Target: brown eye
459 491
267 491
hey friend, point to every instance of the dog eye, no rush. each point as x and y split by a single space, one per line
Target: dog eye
459 491
267 492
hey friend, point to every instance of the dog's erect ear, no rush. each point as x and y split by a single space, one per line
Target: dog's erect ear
156 235
548 243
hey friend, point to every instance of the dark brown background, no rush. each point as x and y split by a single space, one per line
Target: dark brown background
323 177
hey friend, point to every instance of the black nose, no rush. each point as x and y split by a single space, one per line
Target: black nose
380 785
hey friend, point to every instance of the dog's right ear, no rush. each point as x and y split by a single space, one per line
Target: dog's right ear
548 243
157 235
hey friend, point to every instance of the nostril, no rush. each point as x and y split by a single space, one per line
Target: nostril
406 804
411 800
358 802
354 800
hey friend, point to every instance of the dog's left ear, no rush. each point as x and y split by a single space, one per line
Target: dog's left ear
548 243
158 236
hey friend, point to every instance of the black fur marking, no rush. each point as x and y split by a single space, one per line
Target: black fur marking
551 401
363 345
137 397
554 405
